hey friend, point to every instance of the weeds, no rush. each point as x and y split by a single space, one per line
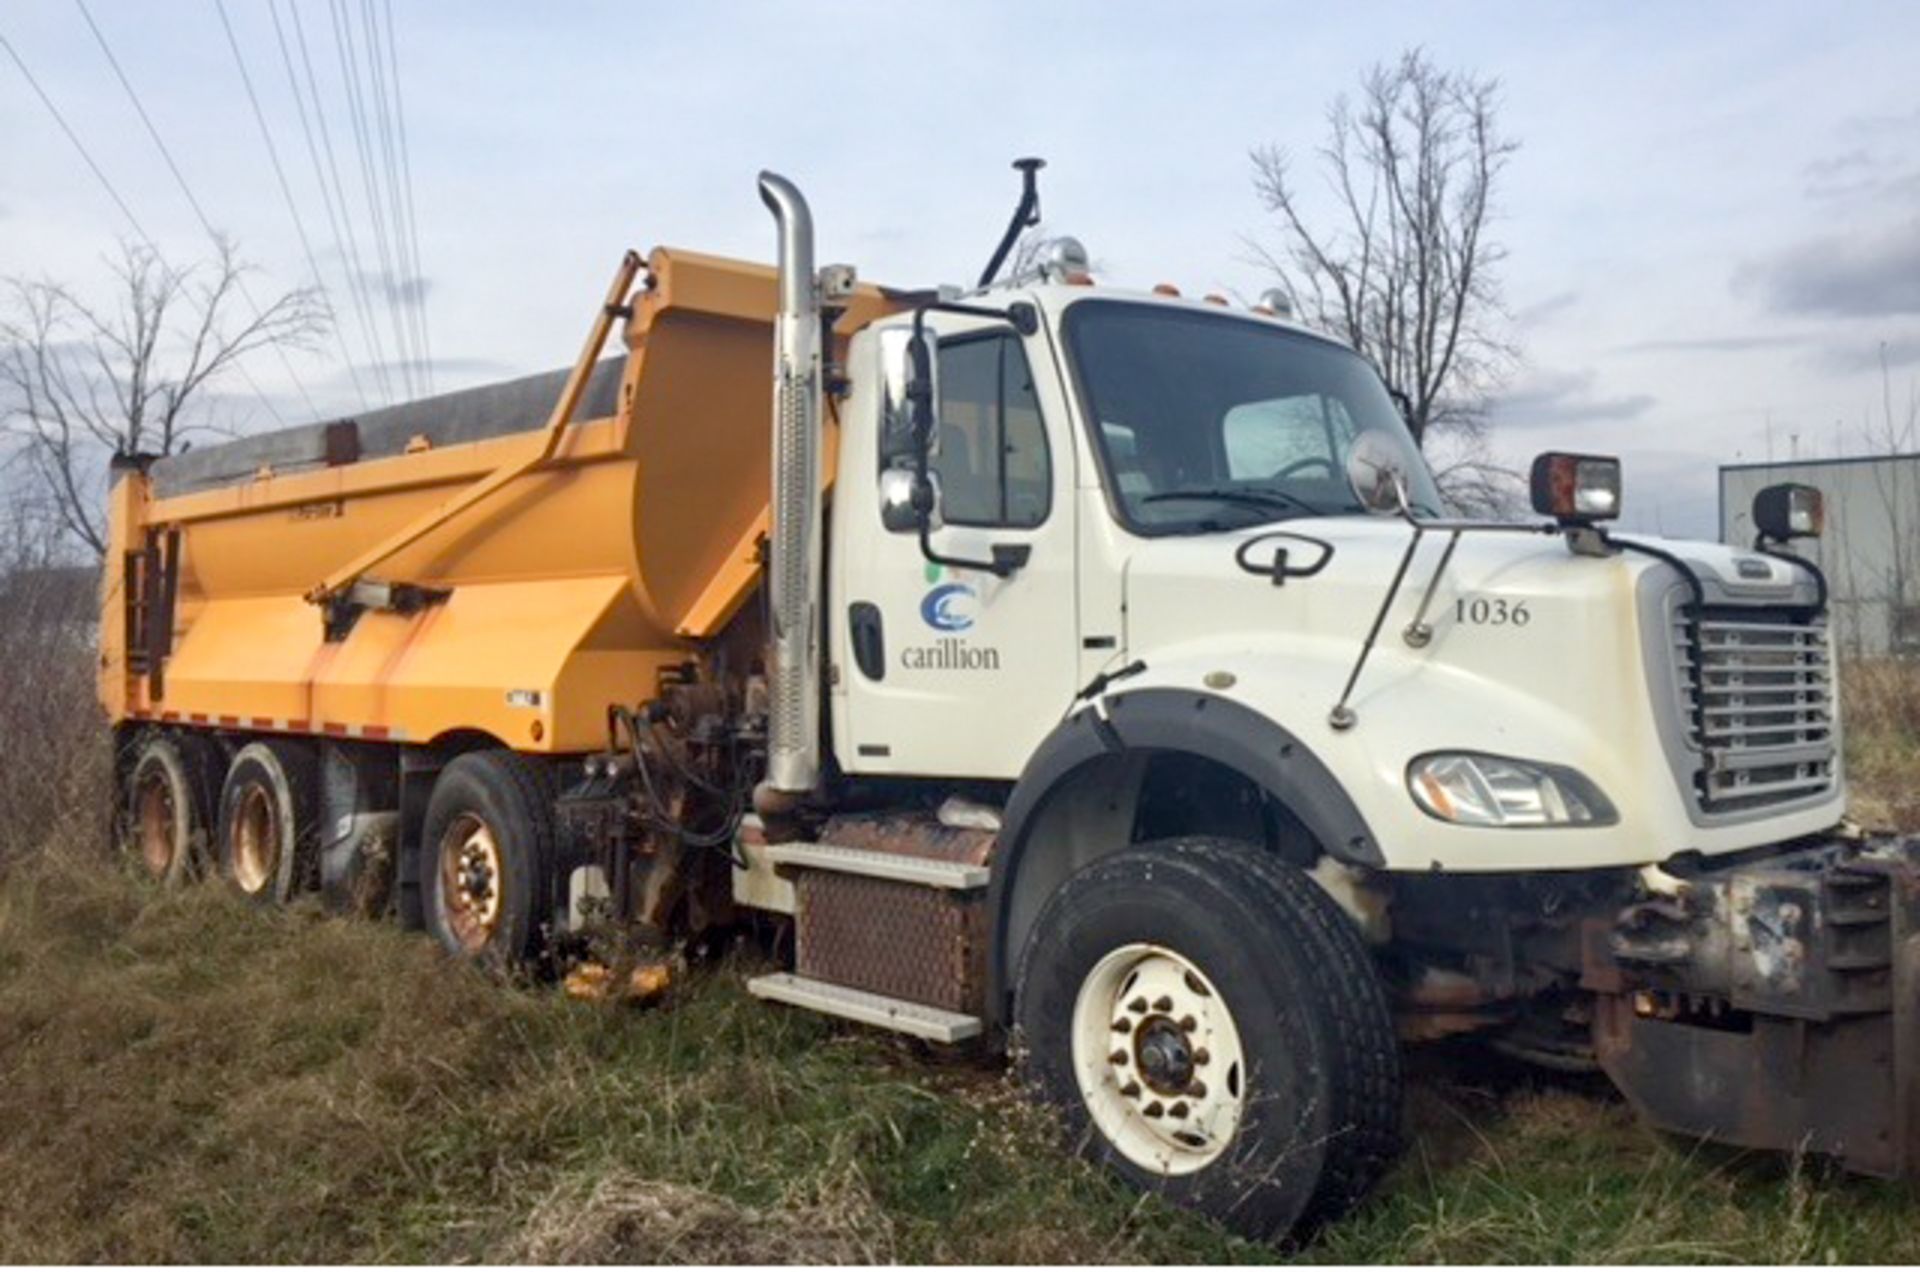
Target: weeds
186 1079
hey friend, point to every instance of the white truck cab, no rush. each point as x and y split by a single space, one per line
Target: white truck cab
1225 758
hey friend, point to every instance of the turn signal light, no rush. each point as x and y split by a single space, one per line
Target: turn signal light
1576 488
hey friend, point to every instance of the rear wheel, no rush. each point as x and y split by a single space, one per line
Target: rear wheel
168 813
268 821
1212 1028
485 857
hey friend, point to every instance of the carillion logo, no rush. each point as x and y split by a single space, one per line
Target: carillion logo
947 607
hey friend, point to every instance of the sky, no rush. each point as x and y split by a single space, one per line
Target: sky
1712 226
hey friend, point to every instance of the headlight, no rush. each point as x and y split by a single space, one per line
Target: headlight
1488 790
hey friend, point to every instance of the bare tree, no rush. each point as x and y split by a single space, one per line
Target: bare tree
83 382
1404 269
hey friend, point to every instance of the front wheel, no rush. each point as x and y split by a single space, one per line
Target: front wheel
1213 1029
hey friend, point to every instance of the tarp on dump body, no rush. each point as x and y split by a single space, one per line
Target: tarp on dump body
446 419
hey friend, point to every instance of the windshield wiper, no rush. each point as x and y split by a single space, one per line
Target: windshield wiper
1258 497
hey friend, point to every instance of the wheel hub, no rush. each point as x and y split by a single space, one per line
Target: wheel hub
155 826
470 873
1158 1059
1163 1056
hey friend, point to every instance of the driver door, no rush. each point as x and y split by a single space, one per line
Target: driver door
948 669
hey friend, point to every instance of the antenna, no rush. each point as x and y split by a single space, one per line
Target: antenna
1025 215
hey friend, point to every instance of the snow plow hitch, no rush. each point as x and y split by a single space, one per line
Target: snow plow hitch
1775 1005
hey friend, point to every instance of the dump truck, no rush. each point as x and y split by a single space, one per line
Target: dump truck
1090 677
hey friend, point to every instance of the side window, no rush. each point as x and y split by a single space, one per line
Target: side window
993 464
1264 439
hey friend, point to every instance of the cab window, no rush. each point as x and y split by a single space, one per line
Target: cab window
1280 437
993 464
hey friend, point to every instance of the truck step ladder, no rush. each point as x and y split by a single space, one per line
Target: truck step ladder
925 871
931 1023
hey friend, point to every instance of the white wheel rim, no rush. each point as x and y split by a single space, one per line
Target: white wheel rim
1158 1059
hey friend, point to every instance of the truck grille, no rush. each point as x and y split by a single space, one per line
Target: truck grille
1757 694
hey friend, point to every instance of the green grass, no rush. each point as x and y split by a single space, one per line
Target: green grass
185 1079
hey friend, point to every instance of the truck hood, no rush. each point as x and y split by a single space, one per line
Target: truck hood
1529 650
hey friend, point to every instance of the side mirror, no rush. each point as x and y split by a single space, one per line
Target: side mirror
904 502
900 379
1377 472
1789 511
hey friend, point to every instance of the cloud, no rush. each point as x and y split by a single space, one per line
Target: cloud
1711 344
1868 275
1864 355
1566 397
1542 310
412 290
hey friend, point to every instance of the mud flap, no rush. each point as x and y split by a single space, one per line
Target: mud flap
1775 1006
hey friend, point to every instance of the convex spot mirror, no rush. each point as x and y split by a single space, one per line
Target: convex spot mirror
1377 472
899 511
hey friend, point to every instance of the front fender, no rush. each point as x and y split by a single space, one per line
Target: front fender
1166 719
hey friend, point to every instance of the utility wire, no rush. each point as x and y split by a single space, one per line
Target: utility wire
356 110
140 231
73 137
206 223
286 193
406 173
341 220
404 240
381 130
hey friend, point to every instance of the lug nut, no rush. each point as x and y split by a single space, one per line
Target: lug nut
1118 1057
1130 1090
1153 1110
1188 1024
1178 1110
1163 1003
1201 1056
1197 1089
1123 1026
1138 1005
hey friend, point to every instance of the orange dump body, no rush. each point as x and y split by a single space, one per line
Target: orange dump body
566 590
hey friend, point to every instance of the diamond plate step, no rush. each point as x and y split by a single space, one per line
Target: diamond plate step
928 873
931 1023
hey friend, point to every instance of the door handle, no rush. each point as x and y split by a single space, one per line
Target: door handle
868 639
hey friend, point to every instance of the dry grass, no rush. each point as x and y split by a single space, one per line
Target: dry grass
1880 709
183 1079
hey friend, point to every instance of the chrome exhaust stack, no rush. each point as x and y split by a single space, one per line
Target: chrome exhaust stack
793 571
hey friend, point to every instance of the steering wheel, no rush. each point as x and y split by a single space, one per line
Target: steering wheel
1311 461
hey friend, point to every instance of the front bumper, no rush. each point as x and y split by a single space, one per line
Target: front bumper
1773 1005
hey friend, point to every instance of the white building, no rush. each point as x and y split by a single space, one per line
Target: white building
1870 550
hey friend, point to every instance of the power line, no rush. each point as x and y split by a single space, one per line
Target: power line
341 220
246 293
73 137
406 172
139 230
381 130
405 242
286 192
356 113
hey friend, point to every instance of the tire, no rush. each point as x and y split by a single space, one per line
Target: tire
1257 1076
269 811
486 854
170 810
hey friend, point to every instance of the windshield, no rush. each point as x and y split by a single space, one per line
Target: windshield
1208 422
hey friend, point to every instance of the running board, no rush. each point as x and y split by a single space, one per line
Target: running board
927 872
932 1023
